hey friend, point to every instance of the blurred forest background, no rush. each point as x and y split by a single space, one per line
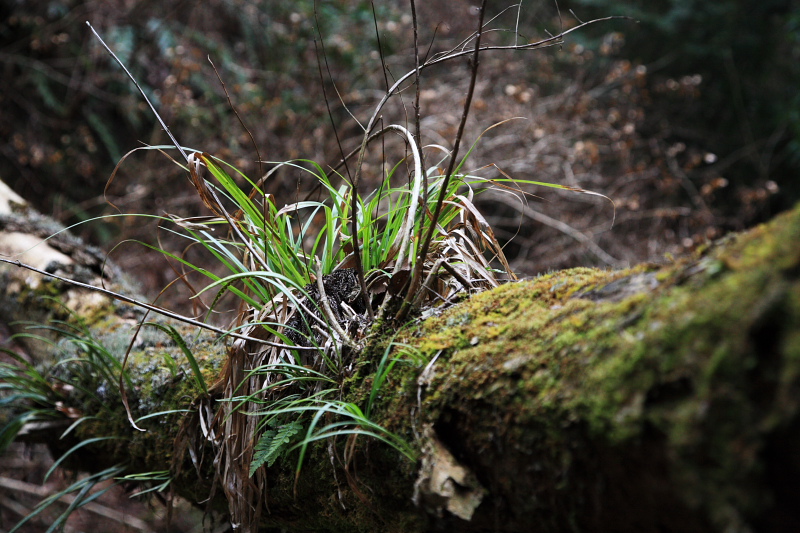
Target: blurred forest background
688 118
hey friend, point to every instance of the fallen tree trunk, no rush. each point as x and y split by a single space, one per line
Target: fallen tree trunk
656 398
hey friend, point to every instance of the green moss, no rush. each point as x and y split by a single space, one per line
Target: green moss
688 358
542 386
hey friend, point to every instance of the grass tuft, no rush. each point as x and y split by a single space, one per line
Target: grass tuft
315 281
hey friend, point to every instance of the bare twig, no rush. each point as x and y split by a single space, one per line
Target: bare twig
564 228
426 242
463 45
325 96
159 310
544 43
235 112
354 180
417 130
384 67
146 99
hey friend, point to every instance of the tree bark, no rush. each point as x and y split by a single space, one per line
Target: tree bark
654 398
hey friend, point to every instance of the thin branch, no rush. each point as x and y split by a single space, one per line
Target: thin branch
325 97
146 99
426 242
417 130
544 43
354 188
380 46
564 228
159 310
430 45
560 19
394 89
235 112
462 46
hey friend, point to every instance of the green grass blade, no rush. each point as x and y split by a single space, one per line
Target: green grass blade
178 339
73 449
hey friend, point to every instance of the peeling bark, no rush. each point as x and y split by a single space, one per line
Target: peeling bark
656 398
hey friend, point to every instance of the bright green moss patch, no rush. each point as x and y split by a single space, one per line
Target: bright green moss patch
699 357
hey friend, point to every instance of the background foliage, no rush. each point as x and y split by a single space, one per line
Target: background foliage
747 53
689 120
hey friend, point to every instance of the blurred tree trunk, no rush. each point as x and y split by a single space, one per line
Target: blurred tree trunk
656 398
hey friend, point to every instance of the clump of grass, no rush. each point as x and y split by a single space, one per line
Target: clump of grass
416 242
41 401
315 279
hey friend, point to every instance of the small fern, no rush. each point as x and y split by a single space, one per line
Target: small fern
272 443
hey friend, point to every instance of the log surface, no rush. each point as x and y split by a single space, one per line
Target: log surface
655 398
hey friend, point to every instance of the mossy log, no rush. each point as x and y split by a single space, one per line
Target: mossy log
655 398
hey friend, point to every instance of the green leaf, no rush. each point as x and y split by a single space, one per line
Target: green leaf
272 443
172 332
